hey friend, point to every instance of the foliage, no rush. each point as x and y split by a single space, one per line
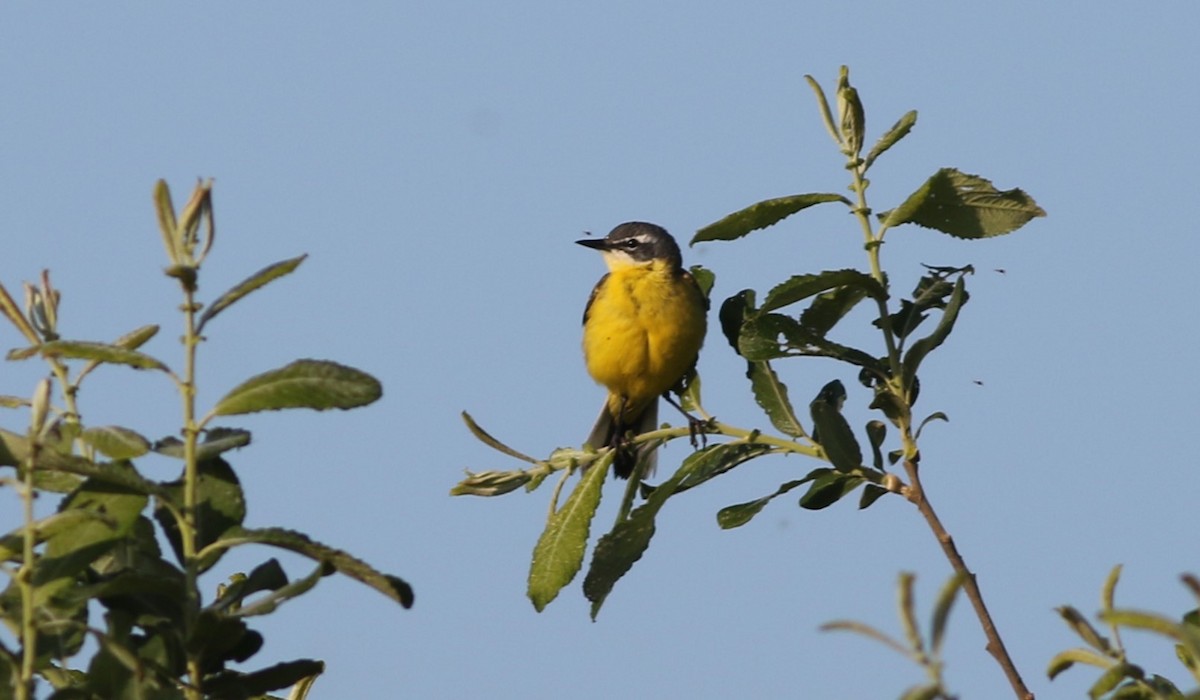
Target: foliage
1121 679
922 651
798 318
95 569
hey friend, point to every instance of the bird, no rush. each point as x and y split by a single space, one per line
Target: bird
643 327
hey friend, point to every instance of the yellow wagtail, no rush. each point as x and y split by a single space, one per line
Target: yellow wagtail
642 331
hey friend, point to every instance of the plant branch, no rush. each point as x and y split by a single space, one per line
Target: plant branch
995 645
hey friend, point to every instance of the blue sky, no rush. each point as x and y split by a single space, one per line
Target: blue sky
436 161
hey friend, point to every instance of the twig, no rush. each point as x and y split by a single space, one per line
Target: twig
995 645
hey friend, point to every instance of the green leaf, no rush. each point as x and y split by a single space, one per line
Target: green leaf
772 336
831 430
964 206
908 612
930 418
230 684
866 631
772 396
250 284
876 434
1079 624
1066 659
829 489
733 516
941 612
13 402
220 507
827 308
804 286
166 220
734 312
315 384
267 604
619 549
97 352
492 442
823 104
898 131
714 460
12 543
761 215
112 513
870 494
705 278
558 555
345 564
916 354
216 441
1110 586
1113 677
136 338
116 442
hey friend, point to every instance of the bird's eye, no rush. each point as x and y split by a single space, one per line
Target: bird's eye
631 243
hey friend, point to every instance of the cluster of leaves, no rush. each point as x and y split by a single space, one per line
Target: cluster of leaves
1121 679
100 552
955 203
922 651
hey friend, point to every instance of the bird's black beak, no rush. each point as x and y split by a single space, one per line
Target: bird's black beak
594 243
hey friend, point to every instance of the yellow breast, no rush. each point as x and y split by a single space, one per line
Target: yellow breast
643 331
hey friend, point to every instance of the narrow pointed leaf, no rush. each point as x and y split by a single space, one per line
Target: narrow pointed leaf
166 220
771 395
315 384
804 286
898 131
908 612
823 106
941 613
230 684
1110 586
714 460
733 516
116 442
964 206
250 284
558 555
916 354
98 352
136 338
930 418
617 551
762 215
1066 659
866 631
13 402
345 564
492 442
1079 624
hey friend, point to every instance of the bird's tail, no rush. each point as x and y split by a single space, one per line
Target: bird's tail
608 433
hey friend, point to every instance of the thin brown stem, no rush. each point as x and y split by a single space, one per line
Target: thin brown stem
995 645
